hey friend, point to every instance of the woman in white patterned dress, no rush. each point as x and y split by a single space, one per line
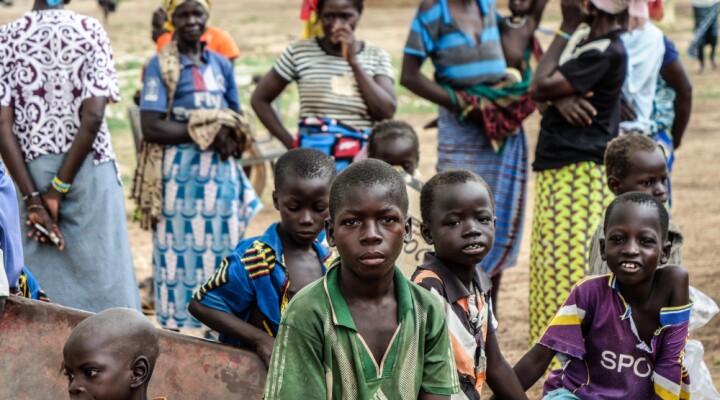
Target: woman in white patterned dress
56 76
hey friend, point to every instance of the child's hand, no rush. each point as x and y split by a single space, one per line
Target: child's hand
264 350
573 13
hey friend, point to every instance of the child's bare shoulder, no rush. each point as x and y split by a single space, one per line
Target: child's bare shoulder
672 276
672 282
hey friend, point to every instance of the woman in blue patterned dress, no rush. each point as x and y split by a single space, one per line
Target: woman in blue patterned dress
207 199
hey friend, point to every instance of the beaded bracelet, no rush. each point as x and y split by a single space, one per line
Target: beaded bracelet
562 34
33 194
59 185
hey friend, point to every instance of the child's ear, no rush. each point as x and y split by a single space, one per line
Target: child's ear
275 200
330 232
140 372
667 248
426 233
614 185
602 249
408 230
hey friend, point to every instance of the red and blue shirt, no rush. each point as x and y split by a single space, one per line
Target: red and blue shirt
208 86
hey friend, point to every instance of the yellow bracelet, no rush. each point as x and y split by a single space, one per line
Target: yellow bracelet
562 34
59 185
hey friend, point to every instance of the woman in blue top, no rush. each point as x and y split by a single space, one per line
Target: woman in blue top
462 40
207 199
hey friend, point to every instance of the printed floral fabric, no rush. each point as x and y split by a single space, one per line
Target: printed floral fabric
50 62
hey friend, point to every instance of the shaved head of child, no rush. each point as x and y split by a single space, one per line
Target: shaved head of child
366 174
396 143
635 163
443 180
305 164
111 356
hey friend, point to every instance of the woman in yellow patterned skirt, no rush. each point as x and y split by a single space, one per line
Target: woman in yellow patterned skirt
581 74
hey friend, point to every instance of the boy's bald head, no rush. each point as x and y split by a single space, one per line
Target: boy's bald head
127 332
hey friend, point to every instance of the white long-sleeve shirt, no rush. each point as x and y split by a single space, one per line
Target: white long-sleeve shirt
645 48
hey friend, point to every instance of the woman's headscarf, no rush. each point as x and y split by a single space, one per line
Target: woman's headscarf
171 5
638 10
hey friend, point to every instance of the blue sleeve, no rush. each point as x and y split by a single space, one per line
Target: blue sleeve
671 53
154 93
230 289
231 94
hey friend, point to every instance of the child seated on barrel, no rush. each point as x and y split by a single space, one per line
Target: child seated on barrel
635 163
396 143
364 331
458 215
621 335
243 301
111 355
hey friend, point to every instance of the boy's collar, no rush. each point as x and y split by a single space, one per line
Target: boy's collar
339 308
454 288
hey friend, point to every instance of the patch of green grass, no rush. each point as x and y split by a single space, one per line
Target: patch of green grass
115 124
129 65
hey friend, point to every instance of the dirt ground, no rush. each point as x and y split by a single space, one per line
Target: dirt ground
263 28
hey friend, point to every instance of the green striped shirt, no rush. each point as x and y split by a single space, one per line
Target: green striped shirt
319 353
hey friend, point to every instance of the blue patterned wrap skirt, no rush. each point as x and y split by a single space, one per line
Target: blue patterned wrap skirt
207 204
463 145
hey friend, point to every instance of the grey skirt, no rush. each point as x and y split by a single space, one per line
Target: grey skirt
95 271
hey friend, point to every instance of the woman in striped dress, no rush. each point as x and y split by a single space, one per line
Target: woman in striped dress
338 77
462 40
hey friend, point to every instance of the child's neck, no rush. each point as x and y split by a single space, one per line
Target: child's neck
465 273
354 287
639 293
289 243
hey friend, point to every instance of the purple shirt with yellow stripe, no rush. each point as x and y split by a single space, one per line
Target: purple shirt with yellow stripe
594 331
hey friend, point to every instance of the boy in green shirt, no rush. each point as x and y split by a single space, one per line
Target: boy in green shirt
364 331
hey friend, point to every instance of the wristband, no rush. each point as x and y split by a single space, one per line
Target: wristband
59 185
562 34
33 194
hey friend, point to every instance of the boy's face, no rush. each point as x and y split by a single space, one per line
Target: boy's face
96 370
633 246
369 230
647 174
303 206
462 224
399 153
